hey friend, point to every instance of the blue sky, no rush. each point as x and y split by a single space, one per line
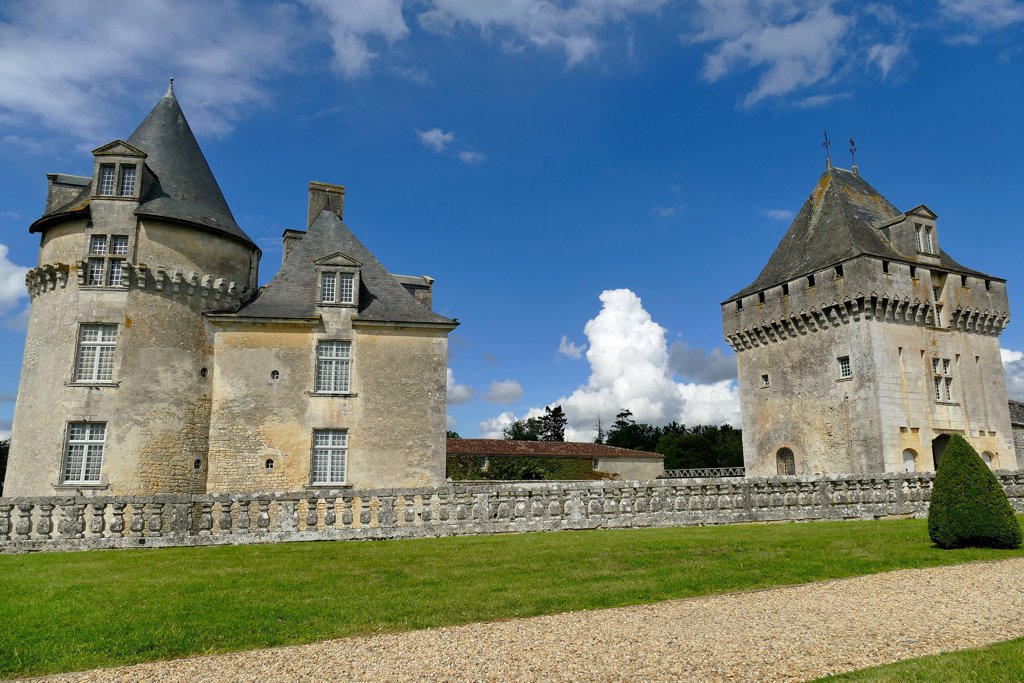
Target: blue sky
586 179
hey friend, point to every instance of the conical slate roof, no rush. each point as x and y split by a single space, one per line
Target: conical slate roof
840 220
293 291
185 189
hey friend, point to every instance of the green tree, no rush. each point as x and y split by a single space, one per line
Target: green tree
5 446
453 435
523 430
626 433
552 424
968 505
701 446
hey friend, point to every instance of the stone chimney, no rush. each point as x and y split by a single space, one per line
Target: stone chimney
289 239
324 197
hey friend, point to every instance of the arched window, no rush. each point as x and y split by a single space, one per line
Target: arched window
909 460
785 462
989 459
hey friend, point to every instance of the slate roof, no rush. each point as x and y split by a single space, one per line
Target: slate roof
184 188
840 220
544 449
293 291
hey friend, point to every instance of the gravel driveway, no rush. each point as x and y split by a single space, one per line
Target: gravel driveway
783 634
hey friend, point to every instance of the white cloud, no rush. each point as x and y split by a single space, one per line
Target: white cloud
435 139
630 367
352 23
572 27
472 158
984 14
666 211
457 393
12 281
820 100
778 214
886 56
504 392
491 427
69 65
570 349
415 74
1013 367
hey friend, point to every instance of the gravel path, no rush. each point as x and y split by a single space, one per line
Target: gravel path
783 634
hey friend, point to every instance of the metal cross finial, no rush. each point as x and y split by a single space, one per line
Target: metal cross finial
826 145
853 151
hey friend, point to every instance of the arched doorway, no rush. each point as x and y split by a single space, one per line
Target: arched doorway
785 463
909 460
939 444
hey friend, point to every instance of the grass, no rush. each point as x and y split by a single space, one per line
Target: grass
993 664
74 611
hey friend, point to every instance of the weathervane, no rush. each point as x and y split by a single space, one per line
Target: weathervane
826 145
853 154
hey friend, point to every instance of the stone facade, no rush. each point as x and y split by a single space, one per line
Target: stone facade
862 345
153 365
75 523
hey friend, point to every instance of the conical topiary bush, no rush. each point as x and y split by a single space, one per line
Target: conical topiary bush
968 506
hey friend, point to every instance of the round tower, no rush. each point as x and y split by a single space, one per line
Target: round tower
114 396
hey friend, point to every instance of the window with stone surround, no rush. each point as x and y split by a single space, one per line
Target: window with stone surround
108 177
330 456
94 361
845 370
127 185
785 463
333 367
337 287
83 455
942 379
117 180
105 267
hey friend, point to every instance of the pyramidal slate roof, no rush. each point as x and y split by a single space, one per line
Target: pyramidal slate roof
293 291
840 220
183 189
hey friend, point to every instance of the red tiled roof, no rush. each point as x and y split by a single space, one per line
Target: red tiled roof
545 449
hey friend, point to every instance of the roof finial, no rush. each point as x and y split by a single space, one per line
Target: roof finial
853 155
826 145
170 88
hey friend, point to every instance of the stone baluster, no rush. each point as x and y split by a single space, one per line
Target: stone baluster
24 526
347 518
66 525
44 527
243 516
312 514
263 518
206 518
155 525
443 513
5 521
364 512
330 515
373 512
98 521
138 522
427 508
408 510
117 523
224 518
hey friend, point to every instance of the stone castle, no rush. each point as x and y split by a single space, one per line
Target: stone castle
863 346
153 364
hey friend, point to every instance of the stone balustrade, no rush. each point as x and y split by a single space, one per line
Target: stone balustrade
78 523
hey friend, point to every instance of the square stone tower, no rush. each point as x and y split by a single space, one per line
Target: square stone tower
863 346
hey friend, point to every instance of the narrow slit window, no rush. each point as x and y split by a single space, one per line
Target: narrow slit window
839 271
785 289
885 266
760 297
810 280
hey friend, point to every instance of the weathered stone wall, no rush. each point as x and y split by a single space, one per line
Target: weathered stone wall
632 469
76 523
888 325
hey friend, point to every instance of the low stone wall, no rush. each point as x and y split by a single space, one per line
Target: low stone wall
78 523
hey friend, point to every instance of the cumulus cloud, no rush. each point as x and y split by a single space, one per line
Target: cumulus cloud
570 349
68 65
504 392
435 139
572 28
1013 367
701 366
631 367
457 393
351 25
12 281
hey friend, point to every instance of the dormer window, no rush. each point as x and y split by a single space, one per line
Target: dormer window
117 171
339 281
108 172
328 287
346 288
127 186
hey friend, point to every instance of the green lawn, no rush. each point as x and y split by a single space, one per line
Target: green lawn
73 611
1003 662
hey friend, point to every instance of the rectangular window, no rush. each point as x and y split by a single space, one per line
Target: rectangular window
920 236
94 276
333 365
107 177
810 280
127 188
84 453
327 287
346 288
885 266
845 371
785 290
98 244
330 453
942 379
95 358
764 381
929 240
839 272
119 244
115 275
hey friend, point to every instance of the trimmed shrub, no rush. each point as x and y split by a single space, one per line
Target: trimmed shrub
968 507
